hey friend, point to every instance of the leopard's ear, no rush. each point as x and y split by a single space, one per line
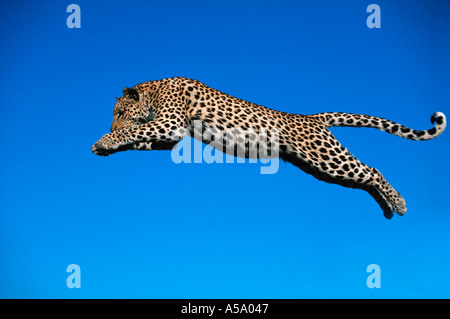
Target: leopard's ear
117 98
131 94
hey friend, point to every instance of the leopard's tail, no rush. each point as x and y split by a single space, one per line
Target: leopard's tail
361 120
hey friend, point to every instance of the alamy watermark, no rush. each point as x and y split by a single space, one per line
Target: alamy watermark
74 279
74 19
374 279
374 19
233 144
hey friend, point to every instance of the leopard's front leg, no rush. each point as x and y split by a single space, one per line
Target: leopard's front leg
155 135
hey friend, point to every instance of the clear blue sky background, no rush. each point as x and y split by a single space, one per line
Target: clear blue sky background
141 226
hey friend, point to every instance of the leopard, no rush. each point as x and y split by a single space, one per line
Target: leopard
156 115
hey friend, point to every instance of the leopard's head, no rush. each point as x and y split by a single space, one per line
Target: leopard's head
130 110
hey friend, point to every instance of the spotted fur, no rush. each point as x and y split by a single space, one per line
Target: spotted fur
155 115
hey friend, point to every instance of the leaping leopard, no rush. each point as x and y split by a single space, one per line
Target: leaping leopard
155 115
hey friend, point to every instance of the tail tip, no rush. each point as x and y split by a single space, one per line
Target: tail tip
438 117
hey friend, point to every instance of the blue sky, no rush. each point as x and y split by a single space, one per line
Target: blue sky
141 226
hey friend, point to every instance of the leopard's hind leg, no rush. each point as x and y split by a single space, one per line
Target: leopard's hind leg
327 160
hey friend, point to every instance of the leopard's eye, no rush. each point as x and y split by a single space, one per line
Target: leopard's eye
120 113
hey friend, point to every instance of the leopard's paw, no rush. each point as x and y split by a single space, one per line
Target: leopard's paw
105 146
98 149
400 205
